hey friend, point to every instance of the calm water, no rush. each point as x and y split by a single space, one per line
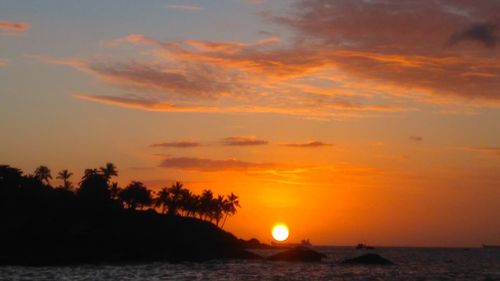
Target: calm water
413 264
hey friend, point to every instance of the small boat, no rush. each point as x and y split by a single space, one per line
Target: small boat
362 246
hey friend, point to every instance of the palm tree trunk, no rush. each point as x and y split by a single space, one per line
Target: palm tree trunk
224 221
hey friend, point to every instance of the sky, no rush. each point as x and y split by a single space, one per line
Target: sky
350 121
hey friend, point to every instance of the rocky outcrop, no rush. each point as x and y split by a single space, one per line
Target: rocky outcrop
254 244
298 254
368 259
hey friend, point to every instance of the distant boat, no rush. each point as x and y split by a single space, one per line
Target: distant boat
491 246
362 246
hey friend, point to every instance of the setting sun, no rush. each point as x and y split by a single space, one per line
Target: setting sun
280 232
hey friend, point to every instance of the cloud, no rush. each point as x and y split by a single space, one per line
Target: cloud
225 77
416 138
147 104
194 82
177 144
484 33
243 141
14 26
388 42
188 7
311 144
212 165
346 59
144 104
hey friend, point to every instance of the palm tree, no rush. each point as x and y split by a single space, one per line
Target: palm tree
87 173
230 207
177 193
136 195
109 170
191 204
94 187
114 190
64 175
10 176
42 173
206 204
162 199
218 208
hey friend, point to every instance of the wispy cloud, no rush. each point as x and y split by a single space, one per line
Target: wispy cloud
14 26
221 78
416 138
379 58
243 141
177 144
311 144
213 165
144 104
386 41
189 7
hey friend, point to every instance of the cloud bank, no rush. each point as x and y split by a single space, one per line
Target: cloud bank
14 26
177 144
243 141
345 59
311 144
212 165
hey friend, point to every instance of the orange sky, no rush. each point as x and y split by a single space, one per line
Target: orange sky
350 121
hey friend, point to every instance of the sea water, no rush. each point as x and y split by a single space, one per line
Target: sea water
411 264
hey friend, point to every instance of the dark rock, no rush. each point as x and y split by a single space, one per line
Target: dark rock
254 244
298 254
368 259
117 237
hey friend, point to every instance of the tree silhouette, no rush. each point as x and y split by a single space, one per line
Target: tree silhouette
136 195
42 173
94 187
191 204
89 173
109 170
218 208
114 190
206 204
230 206
95 195
10 177
176 197
64 175
162 199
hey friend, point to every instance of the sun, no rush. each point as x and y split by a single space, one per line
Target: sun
280 232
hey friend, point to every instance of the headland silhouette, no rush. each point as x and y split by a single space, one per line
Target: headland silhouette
99 221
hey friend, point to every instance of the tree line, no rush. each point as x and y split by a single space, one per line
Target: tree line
97 189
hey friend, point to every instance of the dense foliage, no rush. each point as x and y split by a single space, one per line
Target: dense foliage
96 189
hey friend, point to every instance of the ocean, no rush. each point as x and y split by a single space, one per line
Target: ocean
411 264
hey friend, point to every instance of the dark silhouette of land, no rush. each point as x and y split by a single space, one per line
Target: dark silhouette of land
98 221
368 259
299 253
